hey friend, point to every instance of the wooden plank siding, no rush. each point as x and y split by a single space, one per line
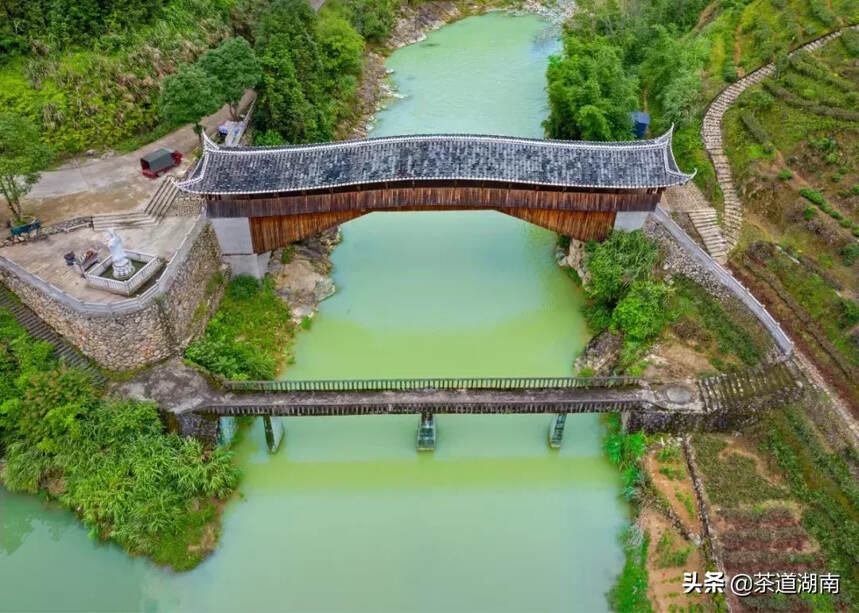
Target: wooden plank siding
274 232
431 197
279 219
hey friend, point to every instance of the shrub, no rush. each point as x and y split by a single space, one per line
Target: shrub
812 195
248 337
642 313
243 287
809 213
753 125
849 316
785 174
850 40
617 262
668 556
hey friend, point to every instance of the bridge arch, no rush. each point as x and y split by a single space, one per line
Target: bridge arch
263 198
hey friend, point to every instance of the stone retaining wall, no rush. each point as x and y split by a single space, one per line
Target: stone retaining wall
143 330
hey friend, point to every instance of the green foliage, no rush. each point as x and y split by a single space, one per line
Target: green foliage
688 503
812 195
757 130
809 213
590 93
629 593
286 254
190 95
372 19
669 453
95 84
827 489
236 68
310 67
850 40
675 473
731 479
618 262
667 555
822 303
642 313
849 254
785 174
22 156
248 336
710 315
108 460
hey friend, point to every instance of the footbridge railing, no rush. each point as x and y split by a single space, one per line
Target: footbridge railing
443 383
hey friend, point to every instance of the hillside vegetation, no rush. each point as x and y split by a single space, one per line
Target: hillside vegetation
89 74
793 142
108 460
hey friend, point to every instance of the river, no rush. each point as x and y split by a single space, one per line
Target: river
347 516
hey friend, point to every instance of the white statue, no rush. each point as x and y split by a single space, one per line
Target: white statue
122 266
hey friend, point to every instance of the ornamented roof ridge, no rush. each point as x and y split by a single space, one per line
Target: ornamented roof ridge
434 157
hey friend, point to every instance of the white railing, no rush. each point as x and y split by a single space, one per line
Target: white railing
727 279
128 286
129 305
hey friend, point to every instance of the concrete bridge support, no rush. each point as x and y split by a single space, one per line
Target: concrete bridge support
274 432
556 430
234 238
427 432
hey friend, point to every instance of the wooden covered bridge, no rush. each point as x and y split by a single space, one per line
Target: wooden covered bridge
263 198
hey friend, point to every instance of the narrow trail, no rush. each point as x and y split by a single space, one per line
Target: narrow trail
711 133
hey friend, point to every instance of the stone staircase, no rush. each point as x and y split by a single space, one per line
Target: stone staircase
150 215
711 132
754 388
40 331
707 226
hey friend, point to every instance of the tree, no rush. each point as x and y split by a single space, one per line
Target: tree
642 313
190 95
236 67
617 262
22 156
590 92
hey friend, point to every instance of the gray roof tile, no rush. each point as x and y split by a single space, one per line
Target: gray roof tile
608 165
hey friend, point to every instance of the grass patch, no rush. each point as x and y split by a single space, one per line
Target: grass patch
668 555
629 593
731 479
715 326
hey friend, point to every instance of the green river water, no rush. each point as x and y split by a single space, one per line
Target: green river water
347 516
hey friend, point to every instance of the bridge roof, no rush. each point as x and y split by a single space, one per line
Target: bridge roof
574 164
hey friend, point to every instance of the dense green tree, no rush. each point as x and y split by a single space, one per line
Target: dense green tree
642 313
283 103
590 92
340 45
236 67
22 156
616 263
190 95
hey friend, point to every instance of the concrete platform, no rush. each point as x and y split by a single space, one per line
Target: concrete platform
44 258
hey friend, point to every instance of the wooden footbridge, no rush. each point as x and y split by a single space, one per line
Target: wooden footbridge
264 198
719 402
